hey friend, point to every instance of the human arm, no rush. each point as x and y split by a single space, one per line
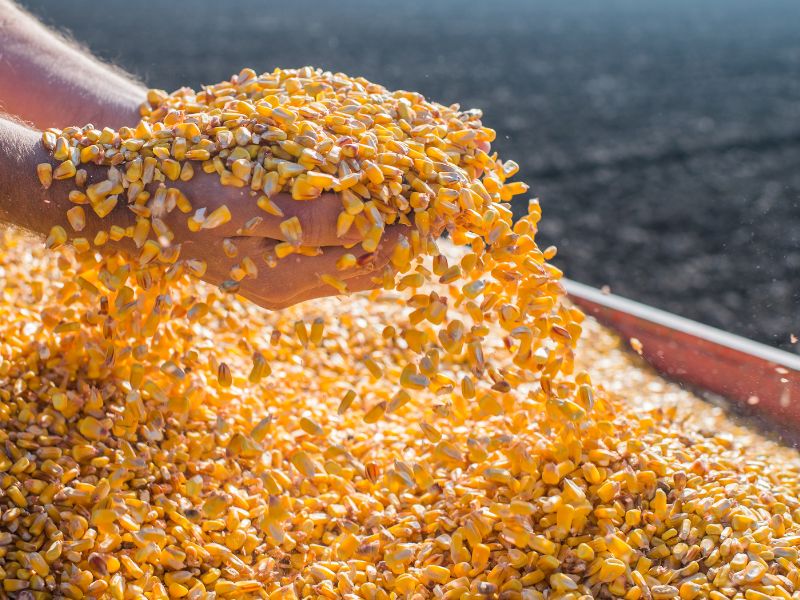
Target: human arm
49 81
23 200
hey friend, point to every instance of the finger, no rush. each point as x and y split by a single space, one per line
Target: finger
297 274
318 218
295 269
293 274
356 284
325 262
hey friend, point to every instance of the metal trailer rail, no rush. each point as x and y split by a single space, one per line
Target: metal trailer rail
764 381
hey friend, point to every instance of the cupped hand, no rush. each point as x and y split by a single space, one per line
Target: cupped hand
254 233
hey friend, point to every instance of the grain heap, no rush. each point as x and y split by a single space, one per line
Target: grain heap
434 439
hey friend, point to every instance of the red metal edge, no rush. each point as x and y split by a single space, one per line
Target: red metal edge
762 379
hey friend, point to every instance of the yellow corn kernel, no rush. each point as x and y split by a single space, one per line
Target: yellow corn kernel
292 231
343 223
336 283
66 170
56 238
260 368
346 261
198 154
374 414
346 402
77 218
224 375
218 217
437 574
610 569
268 206
303 463
104 207
45 173
171 168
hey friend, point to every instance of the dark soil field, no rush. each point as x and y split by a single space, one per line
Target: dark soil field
663 138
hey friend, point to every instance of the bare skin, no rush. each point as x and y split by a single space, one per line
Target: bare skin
46 81
49 82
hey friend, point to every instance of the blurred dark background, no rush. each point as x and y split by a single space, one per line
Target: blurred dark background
663 138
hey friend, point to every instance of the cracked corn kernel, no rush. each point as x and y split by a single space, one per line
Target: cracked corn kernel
437 574
292 231
218 217
77 218
304 464
56 238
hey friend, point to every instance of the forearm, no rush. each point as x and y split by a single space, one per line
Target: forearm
51 83
23 200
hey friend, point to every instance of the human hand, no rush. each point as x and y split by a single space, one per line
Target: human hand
255 233
251 233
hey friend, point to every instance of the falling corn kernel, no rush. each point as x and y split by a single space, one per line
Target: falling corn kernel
310 426
346 402
224 375
346 261
304 464
56 238
374 414
336 283
301 331
260 368
317 330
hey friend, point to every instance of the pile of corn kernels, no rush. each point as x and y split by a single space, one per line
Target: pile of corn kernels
440 437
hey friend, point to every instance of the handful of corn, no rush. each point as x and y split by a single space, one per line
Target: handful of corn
434 438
